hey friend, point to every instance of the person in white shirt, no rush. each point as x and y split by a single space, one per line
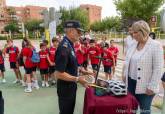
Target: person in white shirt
129 40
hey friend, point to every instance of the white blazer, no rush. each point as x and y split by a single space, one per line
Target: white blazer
149 66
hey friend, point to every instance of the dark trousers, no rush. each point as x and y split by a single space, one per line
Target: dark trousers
66 97
143 99
1 104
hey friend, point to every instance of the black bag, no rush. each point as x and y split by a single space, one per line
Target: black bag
20 60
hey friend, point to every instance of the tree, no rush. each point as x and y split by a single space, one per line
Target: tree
11 27
33 25
74 14
107 24
138 9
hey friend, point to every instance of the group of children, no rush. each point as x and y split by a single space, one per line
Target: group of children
92 52
87 51
24 58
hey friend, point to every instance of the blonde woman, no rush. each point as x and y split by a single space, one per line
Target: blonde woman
143 66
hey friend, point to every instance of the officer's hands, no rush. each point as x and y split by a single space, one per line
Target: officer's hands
86 72
82 81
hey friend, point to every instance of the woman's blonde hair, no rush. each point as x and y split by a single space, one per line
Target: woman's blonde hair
143 27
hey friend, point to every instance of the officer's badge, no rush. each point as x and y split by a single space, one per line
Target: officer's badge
65 44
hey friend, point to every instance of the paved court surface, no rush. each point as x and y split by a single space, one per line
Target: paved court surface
42 101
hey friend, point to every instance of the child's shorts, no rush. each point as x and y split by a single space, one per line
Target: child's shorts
52 69
95 67
107 69
2 68
13 65
43 71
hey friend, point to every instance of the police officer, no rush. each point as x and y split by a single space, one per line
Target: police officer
1 104
67 68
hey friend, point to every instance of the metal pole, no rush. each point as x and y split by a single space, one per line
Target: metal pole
98 70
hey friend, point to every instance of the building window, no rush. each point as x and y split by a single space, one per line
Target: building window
18 12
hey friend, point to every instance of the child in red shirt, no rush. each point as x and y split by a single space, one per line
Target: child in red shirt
29 66
52 52
84 47
115 51
93 53
44 64
13 52
2 67
108 61
79 53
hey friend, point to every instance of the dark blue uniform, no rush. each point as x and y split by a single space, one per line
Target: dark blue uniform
66 61
1 104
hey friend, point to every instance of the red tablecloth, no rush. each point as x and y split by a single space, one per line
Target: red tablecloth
108 104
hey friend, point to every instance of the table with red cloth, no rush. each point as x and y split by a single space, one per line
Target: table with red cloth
108 104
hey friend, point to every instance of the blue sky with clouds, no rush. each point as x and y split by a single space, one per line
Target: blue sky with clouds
108 8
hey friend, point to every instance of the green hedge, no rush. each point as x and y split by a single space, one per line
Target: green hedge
18 36
3 37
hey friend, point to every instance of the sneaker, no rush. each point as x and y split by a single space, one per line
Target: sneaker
47 85
43 84
16 81
28 90
36 86
53 83
24 84
3 81
33 85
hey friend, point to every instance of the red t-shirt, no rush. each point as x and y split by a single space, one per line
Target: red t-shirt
27 52
79 53
43 60
1 58
13 53
93 52
85 55
52 52
114 51
107 55
98 45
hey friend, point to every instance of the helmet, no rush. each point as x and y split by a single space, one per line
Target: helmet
117 87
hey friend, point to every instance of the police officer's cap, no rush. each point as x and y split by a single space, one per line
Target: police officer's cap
73 24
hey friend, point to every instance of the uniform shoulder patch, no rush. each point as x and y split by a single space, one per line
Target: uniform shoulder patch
65 44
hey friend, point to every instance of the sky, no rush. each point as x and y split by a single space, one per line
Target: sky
108 8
